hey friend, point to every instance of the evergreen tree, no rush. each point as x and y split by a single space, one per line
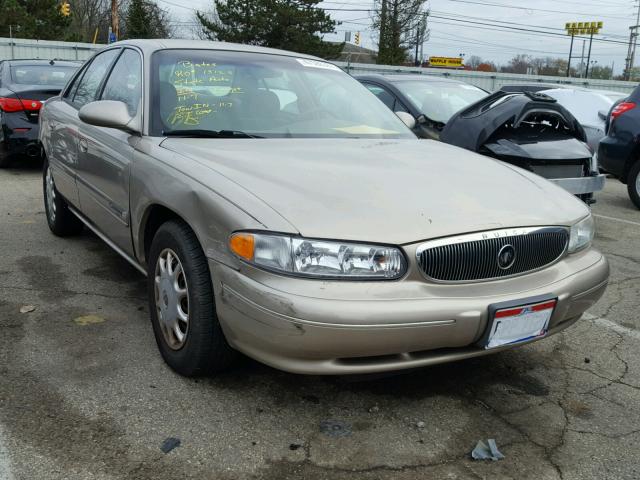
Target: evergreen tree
144 19
398 22
295 25
38 19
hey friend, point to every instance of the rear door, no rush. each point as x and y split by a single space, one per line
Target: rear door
60 124
105 155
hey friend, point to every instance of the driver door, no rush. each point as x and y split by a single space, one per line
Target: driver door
106 154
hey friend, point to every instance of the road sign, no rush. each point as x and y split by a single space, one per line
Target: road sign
450 62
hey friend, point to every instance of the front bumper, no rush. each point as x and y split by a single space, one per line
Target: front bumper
581 185
317 327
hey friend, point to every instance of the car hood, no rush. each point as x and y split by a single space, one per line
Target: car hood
387 191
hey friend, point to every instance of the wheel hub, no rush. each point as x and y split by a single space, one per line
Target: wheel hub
172 299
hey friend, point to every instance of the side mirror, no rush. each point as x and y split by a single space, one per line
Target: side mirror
422 119
109 113
603 115
407 119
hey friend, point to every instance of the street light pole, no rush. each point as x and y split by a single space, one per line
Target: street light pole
589 55
11 40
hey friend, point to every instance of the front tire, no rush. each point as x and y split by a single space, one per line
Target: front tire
633 184
61 221
182 306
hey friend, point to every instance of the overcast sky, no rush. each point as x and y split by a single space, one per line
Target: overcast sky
457 34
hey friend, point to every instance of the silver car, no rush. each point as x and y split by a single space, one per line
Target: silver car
280 210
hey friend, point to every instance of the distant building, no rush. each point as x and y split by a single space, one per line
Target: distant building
355 54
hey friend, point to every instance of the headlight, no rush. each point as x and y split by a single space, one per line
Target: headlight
581 234
319 258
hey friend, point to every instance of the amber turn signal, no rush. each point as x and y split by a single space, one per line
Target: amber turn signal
243 245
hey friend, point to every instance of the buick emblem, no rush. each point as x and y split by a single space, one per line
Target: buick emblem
506 257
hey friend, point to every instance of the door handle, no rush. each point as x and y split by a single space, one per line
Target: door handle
84 145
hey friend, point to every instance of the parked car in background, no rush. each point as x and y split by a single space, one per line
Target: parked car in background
529 130
317 236
24 85
589 107
532 131
619 151
431 101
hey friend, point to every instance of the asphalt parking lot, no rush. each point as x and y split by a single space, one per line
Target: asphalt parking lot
84 393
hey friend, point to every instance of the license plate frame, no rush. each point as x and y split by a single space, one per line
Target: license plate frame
506 317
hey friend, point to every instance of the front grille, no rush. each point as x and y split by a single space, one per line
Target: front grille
474 257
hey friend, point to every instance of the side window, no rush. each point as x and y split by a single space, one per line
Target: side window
88 87
383 95
125 81
399 107
71 89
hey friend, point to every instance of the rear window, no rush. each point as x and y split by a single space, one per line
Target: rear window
50 75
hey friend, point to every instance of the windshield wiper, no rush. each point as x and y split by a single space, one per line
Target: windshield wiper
208 133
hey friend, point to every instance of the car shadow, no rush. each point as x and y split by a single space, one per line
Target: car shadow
465 379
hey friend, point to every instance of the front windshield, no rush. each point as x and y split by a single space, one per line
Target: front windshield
438 101
263 95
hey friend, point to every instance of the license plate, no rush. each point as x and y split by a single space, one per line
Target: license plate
519 324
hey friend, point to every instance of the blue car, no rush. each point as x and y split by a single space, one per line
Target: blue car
619 151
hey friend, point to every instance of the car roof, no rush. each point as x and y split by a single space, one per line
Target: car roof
589 90
394 78
39 61
153 45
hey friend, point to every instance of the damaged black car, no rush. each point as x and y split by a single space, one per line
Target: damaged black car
532 131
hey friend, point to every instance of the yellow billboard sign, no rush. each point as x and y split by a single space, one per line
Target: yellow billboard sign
450 62
583 28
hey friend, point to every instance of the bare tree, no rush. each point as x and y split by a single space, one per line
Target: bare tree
89 16
473 62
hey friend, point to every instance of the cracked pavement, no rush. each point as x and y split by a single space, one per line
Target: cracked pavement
94 400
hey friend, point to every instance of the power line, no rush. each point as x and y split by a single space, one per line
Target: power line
489 4
520 29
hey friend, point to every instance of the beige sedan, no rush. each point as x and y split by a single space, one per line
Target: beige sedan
280 210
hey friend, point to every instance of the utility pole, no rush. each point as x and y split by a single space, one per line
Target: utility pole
582 60
633 41
114 19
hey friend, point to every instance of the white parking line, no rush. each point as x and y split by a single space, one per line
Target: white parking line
603 322
617 219
5 466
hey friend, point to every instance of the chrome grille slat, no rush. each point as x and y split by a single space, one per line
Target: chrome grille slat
474 257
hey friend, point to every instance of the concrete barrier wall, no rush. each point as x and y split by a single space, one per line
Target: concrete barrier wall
45 49
490 81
